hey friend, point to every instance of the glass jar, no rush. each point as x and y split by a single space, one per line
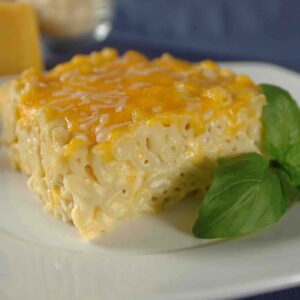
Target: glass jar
68 21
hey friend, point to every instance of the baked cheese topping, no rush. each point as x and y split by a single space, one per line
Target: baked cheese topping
101 94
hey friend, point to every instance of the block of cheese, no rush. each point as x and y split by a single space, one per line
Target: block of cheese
19 38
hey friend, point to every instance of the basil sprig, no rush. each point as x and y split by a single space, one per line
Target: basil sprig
281 134
245 195
249 192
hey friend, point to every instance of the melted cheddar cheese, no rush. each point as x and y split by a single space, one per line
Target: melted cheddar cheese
104 93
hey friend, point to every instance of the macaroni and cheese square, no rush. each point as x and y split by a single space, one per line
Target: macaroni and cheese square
106 137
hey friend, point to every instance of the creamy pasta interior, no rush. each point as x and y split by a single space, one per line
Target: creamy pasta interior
106 137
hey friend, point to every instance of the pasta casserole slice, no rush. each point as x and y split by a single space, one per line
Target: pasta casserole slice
106 137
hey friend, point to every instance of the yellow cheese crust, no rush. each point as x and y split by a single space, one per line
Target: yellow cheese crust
100 93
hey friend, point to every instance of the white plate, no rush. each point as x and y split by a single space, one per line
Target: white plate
153 257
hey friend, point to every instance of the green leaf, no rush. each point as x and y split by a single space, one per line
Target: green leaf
291 164
245 196
288 190
281 135
281 119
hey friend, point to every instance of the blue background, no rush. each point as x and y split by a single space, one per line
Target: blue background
261 30
255 30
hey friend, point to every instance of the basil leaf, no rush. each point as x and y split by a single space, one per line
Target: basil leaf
281 139
291 164
288 190
281 119
245 195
